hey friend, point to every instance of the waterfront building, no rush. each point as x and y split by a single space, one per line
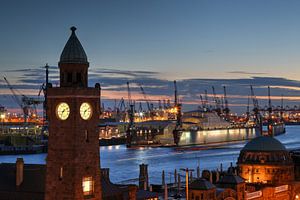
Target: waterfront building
265 170
202 189
265 160
269 170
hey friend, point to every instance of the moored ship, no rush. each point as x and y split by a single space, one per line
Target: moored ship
198 128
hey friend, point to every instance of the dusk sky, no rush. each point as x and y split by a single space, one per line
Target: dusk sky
153 42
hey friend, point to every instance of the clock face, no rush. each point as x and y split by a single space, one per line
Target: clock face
86 111
63 111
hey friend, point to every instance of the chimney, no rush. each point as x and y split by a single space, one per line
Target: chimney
166 192
132 189
19 171
143 178
105 173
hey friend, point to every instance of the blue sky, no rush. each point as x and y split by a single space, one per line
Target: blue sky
183 40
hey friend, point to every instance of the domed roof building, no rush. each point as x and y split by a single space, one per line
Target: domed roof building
265 160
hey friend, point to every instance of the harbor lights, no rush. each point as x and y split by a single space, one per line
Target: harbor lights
2 117
187 170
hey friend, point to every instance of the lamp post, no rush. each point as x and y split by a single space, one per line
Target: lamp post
187 170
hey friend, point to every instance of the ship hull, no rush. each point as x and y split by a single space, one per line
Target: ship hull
216 136
202 137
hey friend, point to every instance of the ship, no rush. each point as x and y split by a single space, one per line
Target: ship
197 128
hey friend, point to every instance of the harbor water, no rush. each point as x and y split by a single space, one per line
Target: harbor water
124 163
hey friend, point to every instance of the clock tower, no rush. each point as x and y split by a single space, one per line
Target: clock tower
73 161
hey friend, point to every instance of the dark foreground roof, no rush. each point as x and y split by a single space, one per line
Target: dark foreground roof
32 187
201 184
231 179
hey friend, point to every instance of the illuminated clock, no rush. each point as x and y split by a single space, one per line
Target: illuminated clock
63 111
86 111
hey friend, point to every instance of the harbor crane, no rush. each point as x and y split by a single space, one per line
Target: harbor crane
206 99
217 102
130 128
258 117
175 93
248 109
226 109
202 103
145 98
27 104
269 112
129 95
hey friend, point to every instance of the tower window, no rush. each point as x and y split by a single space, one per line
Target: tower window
88 186
78 77
69 77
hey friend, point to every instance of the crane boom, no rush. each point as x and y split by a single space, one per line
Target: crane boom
175 93
145 97
15 96
226 109
258 117
218 109
129 95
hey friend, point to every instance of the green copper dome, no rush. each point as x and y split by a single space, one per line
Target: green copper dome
264 143
73 51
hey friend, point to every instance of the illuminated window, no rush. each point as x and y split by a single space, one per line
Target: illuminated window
61 173
88 186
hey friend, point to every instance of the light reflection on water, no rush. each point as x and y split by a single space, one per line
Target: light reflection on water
124 163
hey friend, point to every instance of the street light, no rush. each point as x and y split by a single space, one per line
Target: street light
187 170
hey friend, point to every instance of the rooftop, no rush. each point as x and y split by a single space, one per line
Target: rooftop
264 143
201 184
73 51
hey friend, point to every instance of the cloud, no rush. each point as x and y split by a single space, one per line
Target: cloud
113 84
246 73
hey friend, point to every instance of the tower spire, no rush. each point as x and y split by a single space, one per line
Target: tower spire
73 63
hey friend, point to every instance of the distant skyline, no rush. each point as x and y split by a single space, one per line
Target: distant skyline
182 40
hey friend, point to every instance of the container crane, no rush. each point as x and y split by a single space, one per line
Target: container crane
129 96
178 127
218 109
248 109
27 104
206 99
175 94
258 118
202 103
146 99
130 128
226 109
270 121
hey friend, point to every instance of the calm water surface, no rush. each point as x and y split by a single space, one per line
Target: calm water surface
124 163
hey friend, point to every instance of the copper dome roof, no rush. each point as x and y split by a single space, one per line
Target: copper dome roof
264 143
